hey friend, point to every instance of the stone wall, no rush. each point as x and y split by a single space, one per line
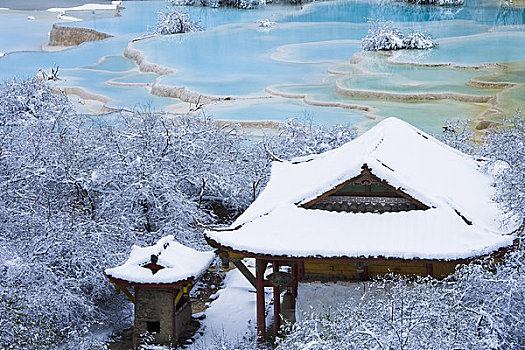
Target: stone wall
70 36
183 318
154 307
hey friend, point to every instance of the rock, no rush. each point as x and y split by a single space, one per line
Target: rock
486 124
69 36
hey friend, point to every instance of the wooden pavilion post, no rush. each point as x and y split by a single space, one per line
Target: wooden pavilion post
276 302
295 273
430 269
174 316
260 267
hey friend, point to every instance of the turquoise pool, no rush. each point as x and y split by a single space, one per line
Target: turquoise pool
308 63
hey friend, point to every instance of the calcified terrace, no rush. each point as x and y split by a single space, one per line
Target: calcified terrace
329 71
308 63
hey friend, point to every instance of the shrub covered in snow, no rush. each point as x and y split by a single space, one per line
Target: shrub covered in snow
242 4
504 147
30 100
459 135
76 194
507 144
296 138
245 4
173 21
265 23
480 307
438 2
384 36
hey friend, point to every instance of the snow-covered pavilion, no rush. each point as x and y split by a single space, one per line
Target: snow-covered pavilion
394 199
162 276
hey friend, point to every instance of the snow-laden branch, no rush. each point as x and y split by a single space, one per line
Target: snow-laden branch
383 36
241 4
76 194
173 21
437 2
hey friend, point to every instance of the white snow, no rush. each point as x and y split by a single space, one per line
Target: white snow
324 298
384 36
265 23
444 179
64 17
232 314
436 233
85 7
179 262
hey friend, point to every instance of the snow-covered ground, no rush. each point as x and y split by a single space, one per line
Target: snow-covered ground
231 317
321 298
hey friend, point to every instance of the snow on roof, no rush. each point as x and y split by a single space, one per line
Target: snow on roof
178 261
446 180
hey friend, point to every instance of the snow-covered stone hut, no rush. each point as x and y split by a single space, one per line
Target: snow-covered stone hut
393 200
162 276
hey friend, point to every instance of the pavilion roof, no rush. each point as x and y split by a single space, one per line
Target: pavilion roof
462 220
166 262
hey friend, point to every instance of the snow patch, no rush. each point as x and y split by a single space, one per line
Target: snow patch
232 315
85 7
64 17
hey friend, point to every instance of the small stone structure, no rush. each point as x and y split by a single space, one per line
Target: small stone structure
71 36
155 314
161 276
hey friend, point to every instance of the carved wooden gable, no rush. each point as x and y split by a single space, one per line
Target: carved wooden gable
365 193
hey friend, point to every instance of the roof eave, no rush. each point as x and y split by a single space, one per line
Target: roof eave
123 282
495 254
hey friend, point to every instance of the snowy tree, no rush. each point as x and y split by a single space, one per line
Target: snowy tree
242 4
173 21
477 308
77 193
296 138
438 2
507 144
459 135
384 36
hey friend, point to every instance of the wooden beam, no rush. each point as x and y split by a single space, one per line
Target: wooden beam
244 270
347 259
177 298
122 282
295 273
119 288
430 269
366 174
